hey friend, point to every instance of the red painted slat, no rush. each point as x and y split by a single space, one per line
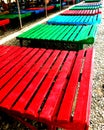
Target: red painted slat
54 100
66 106
7 50
42 84
83 102
21 73
8 61
16 92
44 88
34 85
18 64
3 50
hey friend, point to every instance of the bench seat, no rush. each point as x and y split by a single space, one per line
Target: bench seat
39 9
75 20
50 7
92 1
3 23
30 11
95 4
36 10
81 12
63 37
85 7
90 4
49 86
14 16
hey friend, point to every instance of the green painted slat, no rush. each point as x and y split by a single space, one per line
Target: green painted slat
55 33
73 36
69 34
92 35
50 32
45 33
61 33
84 35
40 32
66 31
30 31
84 7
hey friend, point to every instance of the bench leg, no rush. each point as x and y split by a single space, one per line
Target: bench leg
4 28
25 123
21 42
51 127
28 125
80 46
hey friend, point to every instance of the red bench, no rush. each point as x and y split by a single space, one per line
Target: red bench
50 86
81 12
3 23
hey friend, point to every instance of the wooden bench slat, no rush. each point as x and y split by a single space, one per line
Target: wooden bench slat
81 12
46 85
56 35
75 20
91 4
87 33
47 35
34 85
4 50
54 99
67 36
31 31
22 85
20 74
17 66
38 32
11 54
85 7
72 37
85 90
44 30
62 36
64 114
7 65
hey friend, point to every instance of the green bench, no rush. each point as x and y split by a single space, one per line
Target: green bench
85 7
92 1
14 16
59 36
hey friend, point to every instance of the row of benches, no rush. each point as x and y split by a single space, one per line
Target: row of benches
49 85
63 31
25 14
